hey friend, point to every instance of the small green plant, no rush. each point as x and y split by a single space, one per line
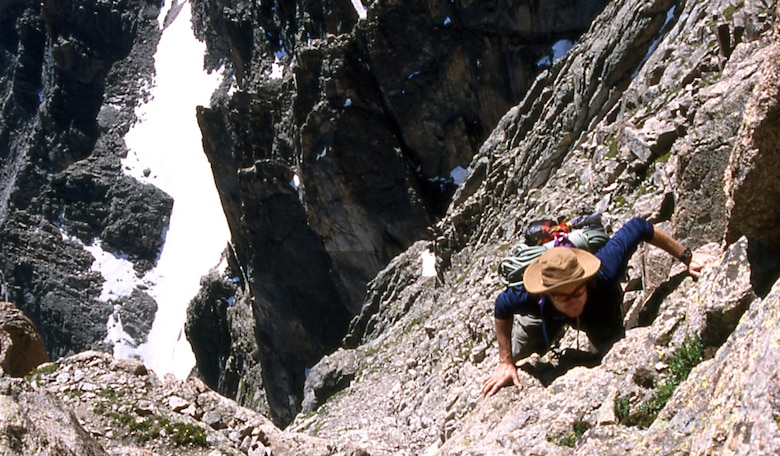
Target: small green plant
187 434
578 429
612 143
147 428
107 393
709 79
100 408
665 157
123 418
684 359
47 368
74 393
731 9
622 407
151 427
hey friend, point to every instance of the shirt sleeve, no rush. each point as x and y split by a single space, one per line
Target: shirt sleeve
616 252
510 302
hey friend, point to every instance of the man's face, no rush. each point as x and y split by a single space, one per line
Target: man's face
570 300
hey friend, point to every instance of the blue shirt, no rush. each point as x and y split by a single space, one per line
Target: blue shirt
604 292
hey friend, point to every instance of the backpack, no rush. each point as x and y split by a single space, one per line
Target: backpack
584 232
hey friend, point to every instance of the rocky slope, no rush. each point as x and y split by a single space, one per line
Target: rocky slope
663 110
93 404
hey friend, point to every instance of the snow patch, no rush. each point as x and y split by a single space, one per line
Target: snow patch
124 345
277 68
428 263
361 10
657 41
233 88
166 151
120 277
458 175
164 10
119 280
558 50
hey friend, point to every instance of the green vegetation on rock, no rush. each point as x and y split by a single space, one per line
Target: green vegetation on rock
684 359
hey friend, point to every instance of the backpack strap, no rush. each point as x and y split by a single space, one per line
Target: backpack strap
562 241
544 323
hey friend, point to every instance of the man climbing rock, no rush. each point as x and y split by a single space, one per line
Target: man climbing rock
570 286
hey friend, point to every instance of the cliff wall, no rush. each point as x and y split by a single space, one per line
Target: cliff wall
72 76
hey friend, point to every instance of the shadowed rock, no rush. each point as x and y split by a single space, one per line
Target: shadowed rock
21 347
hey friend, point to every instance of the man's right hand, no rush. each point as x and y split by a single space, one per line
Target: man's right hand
504 374
698 261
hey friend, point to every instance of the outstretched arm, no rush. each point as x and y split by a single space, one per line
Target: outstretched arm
663 240
505 372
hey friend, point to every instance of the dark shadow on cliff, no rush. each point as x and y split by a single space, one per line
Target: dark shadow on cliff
764 265
652 305
546 371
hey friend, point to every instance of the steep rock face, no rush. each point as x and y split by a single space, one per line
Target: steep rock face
663 110
753 169
730 402
221 328
21 347
447 83
370 118
656 105
73 74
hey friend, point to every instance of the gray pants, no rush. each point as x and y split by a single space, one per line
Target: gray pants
528 335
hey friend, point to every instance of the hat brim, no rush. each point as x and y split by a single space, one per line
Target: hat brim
532 277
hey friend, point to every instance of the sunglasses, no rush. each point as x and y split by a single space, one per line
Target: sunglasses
566 297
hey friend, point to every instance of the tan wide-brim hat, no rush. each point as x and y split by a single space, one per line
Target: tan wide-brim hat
558 267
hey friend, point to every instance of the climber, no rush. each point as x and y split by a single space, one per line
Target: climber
573 286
